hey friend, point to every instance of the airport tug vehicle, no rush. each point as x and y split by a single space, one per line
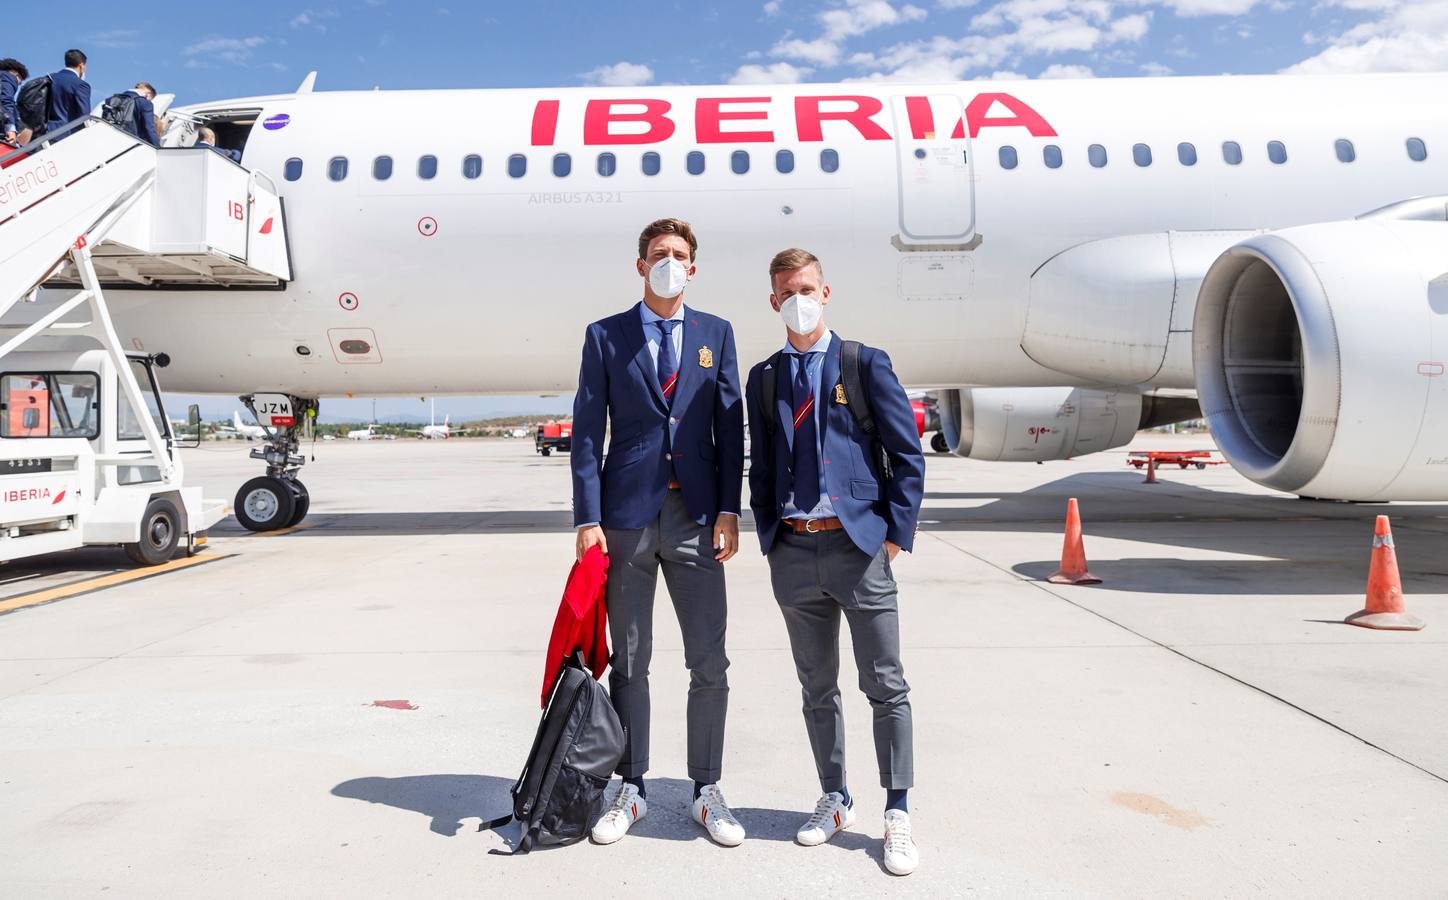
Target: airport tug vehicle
87 453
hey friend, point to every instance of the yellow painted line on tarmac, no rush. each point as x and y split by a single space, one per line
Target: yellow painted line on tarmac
89 585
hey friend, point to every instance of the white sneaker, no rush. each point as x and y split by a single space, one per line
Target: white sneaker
712 813
901 856
628 807
831 816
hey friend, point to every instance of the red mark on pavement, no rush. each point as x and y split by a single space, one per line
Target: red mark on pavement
394 704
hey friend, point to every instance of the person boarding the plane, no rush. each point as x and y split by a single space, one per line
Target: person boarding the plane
12 72
70 95
664 378
206 140
835 482
133 111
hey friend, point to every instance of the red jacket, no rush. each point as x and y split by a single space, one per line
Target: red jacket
582 621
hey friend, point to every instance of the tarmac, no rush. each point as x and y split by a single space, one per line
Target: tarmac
1200 725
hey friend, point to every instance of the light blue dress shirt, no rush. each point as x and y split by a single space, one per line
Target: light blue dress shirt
824 509
651 333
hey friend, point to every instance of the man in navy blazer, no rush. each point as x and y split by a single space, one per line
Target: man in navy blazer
831 523
662 379
70 95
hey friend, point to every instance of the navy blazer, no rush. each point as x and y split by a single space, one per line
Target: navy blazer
69 99
9 113
618 386
871 514
145 120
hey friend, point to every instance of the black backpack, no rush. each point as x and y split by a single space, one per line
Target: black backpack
559 795
120 110
33 103
855 398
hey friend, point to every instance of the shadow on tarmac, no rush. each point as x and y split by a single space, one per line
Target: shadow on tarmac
449 799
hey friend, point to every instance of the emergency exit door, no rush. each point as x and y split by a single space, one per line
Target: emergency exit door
937 196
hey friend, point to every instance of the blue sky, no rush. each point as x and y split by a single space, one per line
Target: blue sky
213 51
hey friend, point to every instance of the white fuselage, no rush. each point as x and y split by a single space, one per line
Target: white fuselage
469 285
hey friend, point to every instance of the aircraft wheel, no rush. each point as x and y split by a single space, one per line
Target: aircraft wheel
160 533
938 444
264 503
301 502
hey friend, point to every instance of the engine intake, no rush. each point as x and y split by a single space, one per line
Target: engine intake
1319 354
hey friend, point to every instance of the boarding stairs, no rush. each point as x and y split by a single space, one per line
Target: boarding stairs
90 206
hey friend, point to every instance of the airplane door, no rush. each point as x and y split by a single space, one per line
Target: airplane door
937 196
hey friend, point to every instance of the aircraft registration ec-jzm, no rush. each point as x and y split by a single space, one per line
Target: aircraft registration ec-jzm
1062 262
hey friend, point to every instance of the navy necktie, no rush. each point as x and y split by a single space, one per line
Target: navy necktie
806 454
668 362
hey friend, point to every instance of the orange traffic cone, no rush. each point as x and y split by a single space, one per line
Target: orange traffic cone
1073 553
1385 608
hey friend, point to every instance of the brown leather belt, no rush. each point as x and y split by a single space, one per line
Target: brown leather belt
673 485
813 526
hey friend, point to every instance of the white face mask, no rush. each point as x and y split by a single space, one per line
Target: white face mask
801 313
668 277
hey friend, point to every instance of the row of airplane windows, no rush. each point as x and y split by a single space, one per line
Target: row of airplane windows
1187 153
606 164
651 163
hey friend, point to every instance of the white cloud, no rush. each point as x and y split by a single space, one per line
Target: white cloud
1063 71
1193 8
775 73
771 8
225 49
313 18
1156 69
1409 36
839 24
115 39
620 74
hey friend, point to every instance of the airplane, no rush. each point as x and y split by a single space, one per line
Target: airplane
362 434
250 432
439 432
1061 263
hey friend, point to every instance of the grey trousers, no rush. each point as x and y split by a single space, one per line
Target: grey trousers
683 549
817 578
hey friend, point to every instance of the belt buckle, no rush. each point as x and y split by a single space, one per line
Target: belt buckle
809 526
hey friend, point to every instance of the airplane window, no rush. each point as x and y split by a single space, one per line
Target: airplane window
739 161
1051 156
1232 153
1141 155
337 168
830 160
472 166
651 163
427 167
517 165
1096 155
694 162
1186 154
1276 152
382 168
607 164
562 164
1417 151
1345 151
293 169
784 162
1008 157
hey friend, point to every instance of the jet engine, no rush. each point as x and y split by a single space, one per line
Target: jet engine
1320 356
1038 423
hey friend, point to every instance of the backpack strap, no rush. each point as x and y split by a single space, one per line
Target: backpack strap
859 403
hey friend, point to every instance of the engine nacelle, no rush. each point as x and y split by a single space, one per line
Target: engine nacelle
1036 423
1320 356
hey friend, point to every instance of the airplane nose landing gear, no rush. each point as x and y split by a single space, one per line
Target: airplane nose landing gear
277 499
